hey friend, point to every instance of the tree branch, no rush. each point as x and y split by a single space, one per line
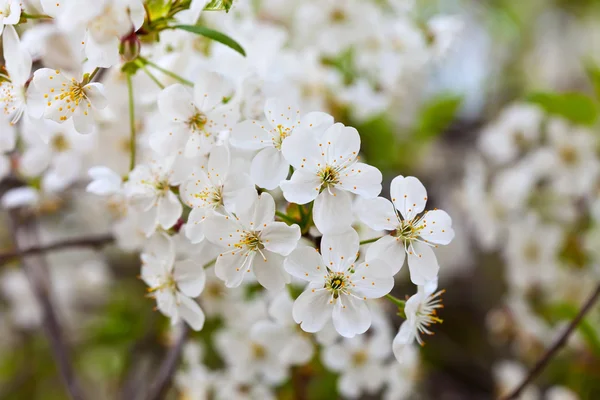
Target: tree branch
168 367
25 235
92 241
552 350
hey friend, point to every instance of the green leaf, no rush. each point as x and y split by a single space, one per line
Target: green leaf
593 72
219 5
576 107
436 115
214 35
585 328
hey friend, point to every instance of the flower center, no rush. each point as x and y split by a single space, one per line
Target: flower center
359 358
162 186
60 143
280 134
426 314
336 283
251 241
258 351
408 230
329 176
168 284
212 196
568 155
197 121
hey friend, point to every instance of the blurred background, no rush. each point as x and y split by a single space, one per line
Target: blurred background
492 104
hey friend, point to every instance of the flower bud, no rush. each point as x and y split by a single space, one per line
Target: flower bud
130 47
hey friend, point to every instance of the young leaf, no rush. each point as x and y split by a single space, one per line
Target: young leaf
214 35
436 115
219 5
575 107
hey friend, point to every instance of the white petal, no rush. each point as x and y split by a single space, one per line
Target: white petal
351 316
84 124
302 151
438 227
298 350
404 339
218 164
332 212
169 210
18 60
340 250
269 271
307 264
95 93
340 143
316 122
250 135
312 309
377 213
390 250
269 168
408 195
280 309
231 267
34 161
337 357
190 277
373 279
422 263
19 197
362 179
166 303
238 192
284 112
222 230
280 237
190 312
175 102
302 188
210 89
194 228
264 211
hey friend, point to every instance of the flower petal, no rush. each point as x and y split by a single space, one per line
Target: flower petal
190 277
438 227
169 210
389 249
312 309
269 271
340 250
232 266
280 111
307 264
302 188
190 312
377 213
373 279
408 195
302 151
403 340
422 263
280 237
332 212
340 144
351 316
269 168
362 179
210 89
175 102
250 135
194 228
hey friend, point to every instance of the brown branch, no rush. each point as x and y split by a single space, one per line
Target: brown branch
552 350
162 381
25 235
91 241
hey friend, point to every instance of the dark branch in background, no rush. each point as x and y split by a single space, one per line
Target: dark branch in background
162 381
552 350
25 235
92 241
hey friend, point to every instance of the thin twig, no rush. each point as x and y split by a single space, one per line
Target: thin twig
167 369
552 350
92 241
25 233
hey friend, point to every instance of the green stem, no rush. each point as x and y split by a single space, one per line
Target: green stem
93 74
210 263
396 301
35 16
150 74
166 72
132 144
285 217
306 221
370 240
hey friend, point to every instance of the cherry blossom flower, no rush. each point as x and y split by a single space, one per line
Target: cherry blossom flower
13 99
252 241
173 283
421 312
194 118
327 171
411 234
10 13
337 288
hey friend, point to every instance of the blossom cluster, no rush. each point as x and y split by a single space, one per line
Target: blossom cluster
228 173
